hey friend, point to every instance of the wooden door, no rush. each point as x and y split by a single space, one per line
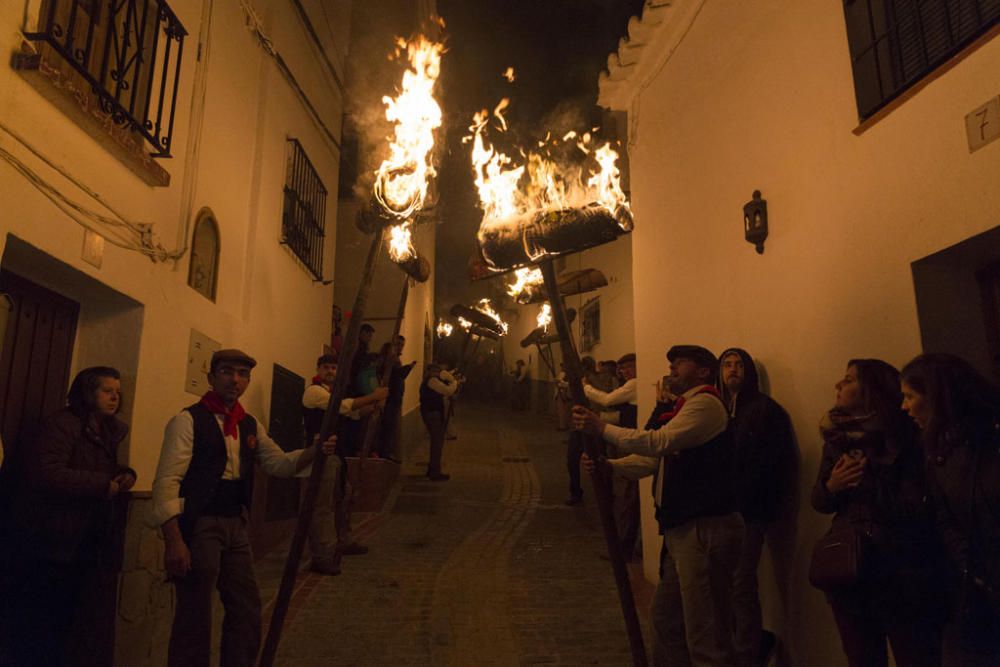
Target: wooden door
989 288
36 357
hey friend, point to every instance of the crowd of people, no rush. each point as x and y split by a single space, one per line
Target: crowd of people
60 557
910 472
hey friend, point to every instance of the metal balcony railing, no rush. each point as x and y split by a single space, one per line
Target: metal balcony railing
128 51
304 216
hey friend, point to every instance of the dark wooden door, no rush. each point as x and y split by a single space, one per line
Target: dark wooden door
36 356
989 288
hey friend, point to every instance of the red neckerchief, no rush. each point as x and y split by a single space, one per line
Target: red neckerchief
679 403
318 380
213 403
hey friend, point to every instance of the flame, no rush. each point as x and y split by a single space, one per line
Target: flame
486 308
524 278
464 323
401 181
509 74
401 243
508 189
444 329
545 317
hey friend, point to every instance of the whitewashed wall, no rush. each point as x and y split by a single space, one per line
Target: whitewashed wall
266 302
759 95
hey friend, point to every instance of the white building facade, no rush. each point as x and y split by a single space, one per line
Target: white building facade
880 228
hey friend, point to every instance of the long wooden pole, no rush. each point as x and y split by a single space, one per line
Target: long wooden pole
330 419
600 477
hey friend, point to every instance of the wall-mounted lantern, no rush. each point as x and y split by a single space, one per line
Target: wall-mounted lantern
755 221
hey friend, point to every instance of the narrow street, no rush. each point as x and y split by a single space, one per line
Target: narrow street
489 568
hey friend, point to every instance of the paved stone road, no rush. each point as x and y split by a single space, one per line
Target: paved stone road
489 568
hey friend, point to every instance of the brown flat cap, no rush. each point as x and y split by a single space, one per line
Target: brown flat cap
231 355
695 353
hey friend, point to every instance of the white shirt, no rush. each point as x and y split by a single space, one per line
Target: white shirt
606 399
175 457
701 418
316 397
445 385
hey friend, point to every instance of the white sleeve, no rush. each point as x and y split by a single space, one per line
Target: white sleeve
623 394
701 419
634 466
442 388
273 459
315 397
175 457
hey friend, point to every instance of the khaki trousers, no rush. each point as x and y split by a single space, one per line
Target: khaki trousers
691 612
331 525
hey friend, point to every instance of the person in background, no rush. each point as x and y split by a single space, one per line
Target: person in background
60 610
562 400
433 390
624 401
522 386
330 530
766 458
871 478
608 371
202 496
392 414
958 411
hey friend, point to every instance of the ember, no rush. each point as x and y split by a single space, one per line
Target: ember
444 329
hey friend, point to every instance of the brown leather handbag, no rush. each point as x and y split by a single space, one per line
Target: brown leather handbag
838 559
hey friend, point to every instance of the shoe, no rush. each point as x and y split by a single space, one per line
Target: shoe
768 642
353 549
574 500
438 477
329 568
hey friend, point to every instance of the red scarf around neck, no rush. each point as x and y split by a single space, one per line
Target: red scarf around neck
679 403
213 403
318 380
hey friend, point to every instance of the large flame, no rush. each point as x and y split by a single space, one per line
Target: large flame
464 323
444 329
401 243
486 308
541 182
401 181
544 318
524 278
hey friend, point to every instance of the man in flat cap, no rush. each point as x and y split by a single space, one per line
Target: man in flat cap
201 499
696 508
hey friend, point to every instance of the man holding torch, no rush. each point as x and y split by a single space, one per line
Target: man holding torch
696 509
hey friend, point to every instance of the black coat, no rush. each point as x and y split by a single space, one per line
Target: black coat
62 512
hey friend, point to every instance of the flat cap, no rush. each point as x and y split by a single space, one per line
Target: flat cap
231 355
626 358
695 353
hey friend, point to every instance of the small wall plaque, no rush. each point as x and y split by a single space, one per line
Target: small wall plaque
982 125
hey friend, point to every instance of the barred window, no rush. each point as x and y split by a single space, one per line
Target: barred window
896 43
304 216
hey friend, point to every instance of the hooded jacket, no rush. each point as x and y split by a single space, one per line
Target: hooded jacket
766 455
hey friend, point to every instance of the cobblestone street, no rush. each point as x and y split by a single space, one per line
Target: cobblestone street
489 568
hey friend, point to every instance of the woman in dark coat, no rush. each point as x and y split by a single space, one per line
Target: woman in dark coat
958 411
62 520
872 478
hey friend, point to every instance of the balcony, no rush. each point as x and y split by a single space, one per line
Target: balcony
123 56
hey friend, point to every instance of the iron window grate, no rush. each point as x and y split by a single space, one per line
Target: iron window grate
896 43
129 51
304 214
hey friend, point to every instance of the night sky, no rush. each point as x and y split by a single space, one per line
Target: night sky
557 49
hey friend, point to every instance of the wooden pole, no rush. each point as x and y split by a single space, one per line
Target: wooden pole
330 419
601 478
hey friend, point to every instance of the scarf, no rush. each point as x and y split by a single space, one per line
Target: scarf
213 403
679 403
318 380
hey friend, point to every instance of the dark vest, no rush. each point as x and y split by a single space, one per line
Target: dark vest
698 482
430 400
208 462
313 418
628 415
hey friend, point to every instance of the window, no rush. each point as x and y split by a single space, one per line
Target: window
304 215
127 52
203 274
896 43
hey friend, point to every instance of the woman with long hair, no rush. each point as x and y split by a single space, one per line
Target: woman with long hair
958 411
872 479
63 562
